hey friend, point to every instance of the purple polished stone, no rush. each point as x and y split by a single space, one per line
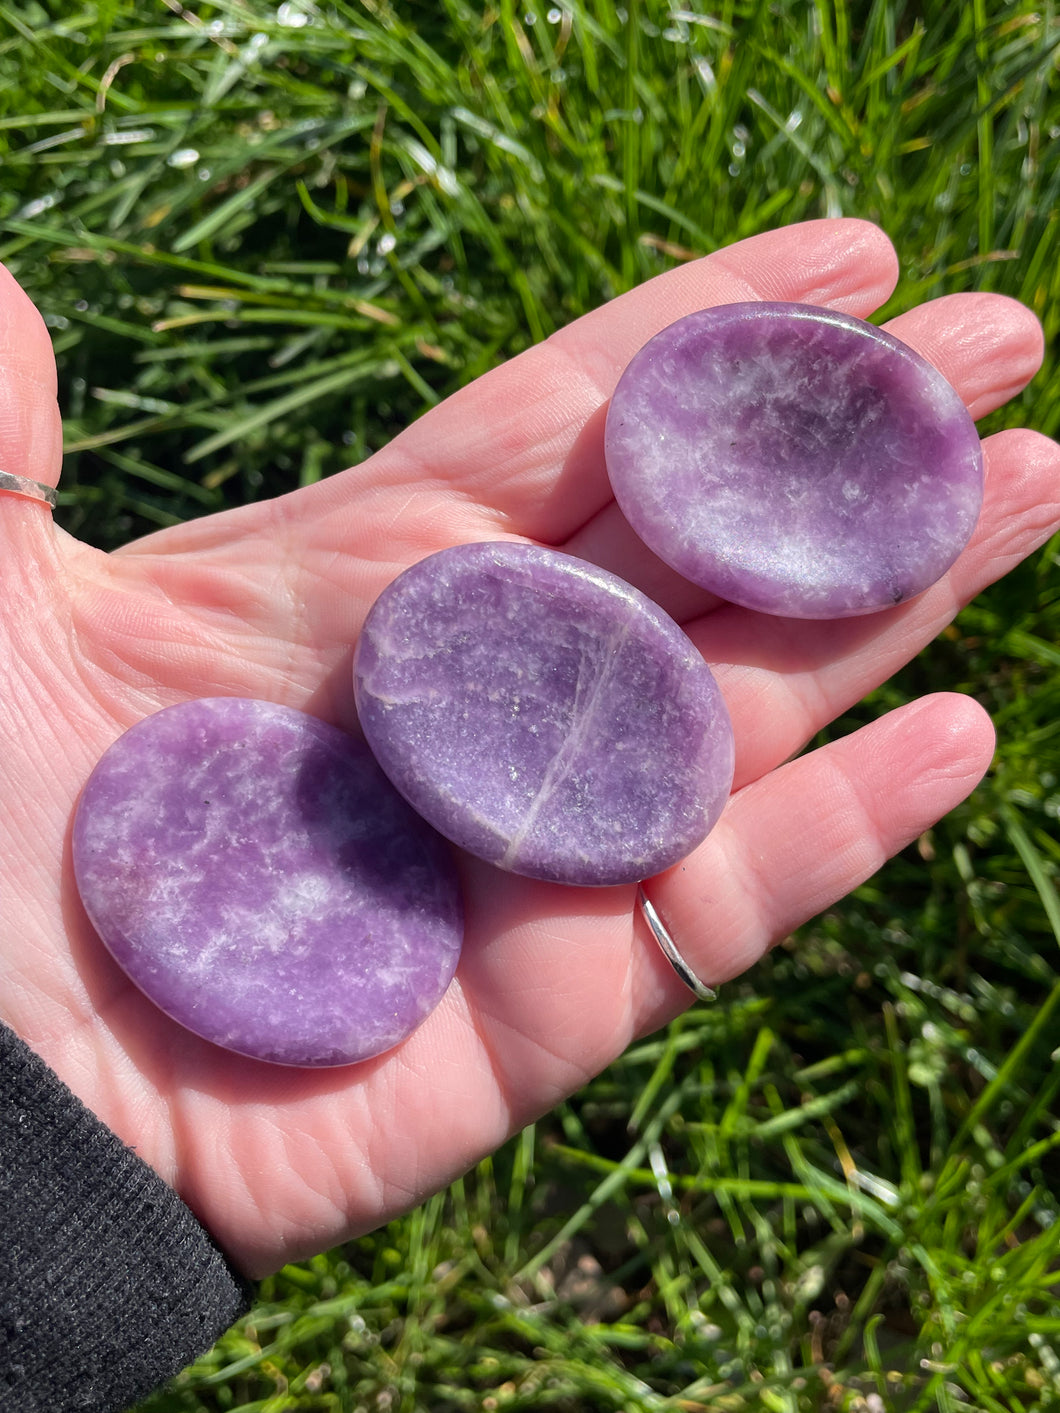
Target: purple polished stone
794 460
255 874
543 714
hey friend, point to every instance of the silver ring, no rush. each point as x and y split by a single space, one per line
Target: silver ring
698 988
31 490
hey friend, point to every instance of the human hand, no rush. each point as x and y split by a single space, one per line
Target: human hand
267 601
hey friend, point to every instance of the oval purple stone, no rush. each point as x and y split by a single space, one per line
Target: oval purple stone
252 870
794 460
543 714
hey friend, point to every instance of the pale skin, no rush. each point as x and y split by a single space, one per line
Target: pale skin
267 602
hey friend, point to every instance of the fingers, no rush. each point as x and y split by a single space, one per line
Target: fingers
525 442
796 841
987 346
784 679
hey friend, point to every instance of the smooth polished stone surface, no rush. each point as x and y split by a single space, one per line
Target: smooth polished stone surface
794 460
543 714
255 874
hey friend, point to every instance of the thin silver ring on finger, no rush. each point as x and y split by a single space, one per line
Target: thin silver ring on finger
29 490
659 931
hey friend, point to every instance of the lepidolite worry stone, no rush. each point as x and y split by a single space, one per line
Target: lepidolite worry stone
256 875
793 459
543 714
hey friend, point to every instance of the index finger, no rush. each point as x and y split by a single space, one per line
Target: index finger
524 443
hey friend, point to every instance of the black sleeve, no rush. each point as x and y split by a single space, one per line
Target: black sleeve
108 1284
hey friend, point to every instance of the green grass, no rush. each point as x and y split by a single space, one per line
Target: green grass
263 247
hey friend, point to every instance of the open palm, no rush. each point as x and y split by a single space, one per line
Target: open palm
267 602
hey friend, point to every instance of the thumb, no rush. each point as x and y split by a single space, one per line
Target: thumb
30 428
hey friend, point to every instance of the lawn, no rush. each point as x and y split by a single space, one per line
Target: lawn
265 239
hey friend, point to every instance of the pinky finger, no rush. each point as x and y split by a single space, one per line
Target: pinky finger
797 840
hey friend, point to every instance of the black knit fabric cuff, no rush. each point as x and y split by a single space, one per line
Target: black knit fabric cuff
108 1284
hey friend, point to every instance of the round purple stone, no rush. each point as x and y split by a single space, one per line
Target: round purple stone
794 460
255 874
543 714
